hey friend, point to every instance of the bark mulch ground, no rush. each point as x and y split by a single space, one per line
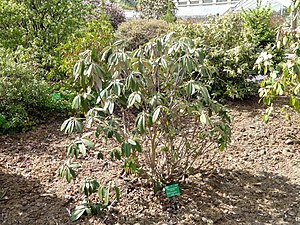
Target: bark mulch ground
255 181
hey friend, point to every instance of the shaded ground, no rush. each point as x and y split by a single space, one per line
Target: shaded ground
256 180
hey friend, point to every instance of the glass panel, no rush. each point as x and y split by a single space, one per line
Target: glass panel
207 1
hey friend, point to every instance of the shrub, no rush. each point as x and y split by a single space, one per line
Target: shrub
230 57
148 105
116 15
40 25
135 33
96 34
23 95
282 77
258 28
155 9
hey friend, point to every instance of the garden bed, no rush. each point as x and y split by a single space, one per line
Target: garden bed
255 181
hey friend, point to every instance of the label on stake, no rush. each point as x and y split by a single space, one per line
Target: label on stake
172 190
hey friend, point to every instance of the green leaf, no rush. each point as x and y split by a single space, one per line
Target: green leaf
203 119
69 124
156 114
72 172
126 149
68 175
138 147
101 192
131 100
117 154
118 137
265 118
76 104
141 122
78 212
111 107
132 142
88 143
106 195
118 193
82 149
285 40
78 126
190 88
222 147
278 44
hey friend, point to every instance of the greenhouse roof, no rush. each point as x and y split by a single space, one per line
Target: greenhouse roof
276 5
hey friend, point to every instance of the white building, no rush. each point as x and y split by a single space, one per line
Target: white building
276 5
200 8
192 8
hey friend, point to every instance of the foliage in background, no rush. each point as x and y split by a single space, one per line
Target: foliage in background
155 9
115 14
50 34
96 34
24 96
170 14
230 57
135 33
126 4
149 105
283 78
258 29
40 25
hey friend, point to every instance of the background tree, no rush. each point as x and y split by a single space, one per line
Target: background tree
155 8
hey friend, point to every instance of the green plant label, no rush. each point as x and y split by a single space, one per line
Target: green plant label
56 96
172 190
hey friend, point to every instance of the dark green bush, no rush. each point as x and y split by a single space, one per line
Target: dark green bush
24 96
138 32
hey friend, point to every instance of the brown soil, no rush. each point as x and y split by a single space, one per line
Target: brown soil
256 180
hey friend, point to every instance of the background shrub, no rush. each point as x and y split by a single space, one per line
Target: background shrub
114 12
40 25
138 32
97 34
230 57
155 9
24 96
258 29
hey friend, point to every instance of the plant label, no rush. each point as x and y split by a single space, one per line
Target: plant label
172 190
